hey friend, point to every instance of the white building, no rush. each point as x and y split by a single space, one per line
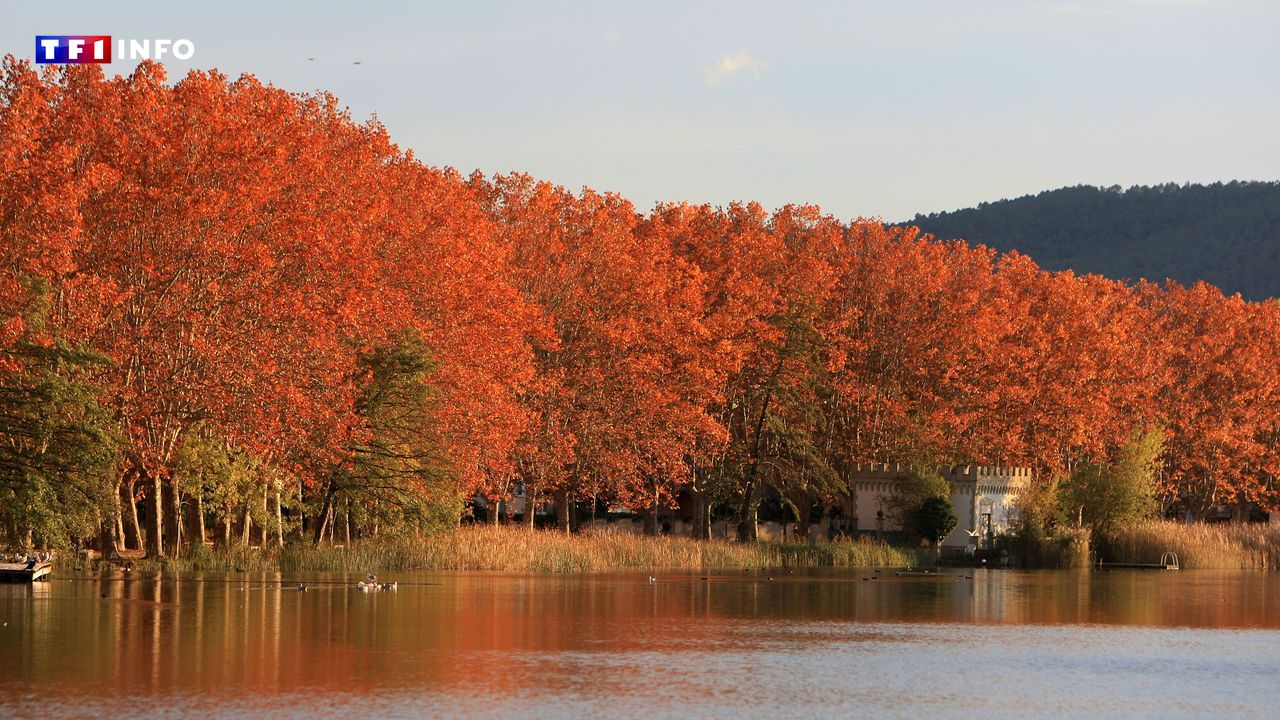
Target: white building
983 497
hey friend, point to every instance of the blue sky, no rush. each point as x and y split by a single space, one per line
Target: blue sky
866 108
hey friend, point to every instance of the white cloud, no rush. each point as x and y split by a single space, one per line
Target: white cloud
730 65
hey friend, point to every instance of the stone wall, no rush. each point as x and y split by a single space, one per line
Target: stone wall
872 484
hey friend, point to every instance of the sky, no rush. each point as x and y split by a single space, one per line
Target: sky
869 109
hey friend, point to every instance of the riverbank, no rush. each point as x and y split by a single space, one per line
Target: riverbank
518 549
1200 546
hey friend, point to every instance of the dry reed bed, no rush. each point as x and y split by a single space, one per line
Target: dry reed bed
516 549
1199 545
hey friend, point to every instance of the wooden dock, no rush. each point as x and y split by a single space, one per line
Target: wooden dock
1169 561
24 572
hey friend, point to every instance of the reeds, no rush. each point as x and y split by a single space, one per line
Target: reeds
1198 545
518 549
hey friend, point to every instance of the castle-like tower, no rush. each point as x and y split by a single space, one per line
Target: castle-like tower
983 496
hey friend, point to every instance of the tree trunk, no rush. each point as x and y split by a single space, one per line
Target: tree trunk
702 516
155 515
704 512
302 510
247 524
108 539
129 534
122 502
199 517
326 510
266 513
747 530
119 529
529 495
172 518
279 519
563 509
649 521
133 527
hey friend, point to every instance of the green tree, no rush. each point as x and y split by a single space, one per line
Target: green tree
1040 534
397 478
935 519
915 486
225 484
797 469
58 447
1222 233
1105 497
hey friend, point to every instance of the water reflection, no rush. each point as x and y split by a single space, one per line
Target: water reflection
211 643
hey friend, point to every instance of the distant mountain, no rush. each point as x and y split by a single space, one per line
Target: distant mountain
1226 234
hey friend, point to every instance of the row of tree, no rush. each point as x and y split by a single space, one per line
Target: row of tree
246 315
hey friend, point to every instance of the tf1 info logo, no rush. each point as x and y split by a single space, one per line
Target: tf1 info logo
79 49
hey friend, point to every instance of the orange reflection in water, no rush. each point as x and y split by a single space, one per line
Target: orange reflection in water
240 635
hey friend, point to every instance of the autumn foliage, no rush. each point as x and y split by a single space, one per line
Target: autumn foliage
238 254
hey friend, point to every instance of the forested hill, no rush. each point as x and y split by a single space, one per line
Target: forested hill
1226 234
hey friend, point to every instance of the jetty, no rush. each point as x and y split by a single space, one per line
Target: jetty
1168 561
24 572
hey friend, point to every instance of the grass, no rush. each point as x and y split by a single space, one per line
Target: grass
517 549
1199 546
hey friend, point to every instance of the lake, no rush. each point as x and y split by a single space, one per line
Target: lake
964 644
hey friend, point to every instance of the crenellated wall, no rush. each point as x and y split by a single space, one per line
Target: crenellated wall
871 484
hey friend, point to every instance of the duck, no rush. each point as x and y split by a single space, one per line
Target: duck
302 587
389 586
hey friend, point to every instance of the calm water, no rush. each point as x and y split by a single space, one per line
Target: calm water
1001 644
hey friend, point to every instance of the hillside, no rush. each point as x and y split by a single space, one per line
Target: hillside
1226 234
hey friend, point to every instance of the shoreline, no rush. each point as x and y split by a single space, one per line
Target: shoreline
518 549
522 550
